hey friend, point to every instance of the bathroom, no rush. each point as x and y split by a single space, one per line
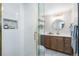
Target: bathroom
55 28
39 29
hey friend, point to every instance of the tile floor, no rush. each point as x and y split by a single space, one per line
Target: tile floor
49 52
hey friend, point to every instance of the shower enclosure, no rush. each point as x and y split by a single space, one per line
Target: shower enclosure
41 11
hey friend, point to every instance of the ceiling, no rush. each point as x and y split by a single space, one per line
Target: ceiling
51 8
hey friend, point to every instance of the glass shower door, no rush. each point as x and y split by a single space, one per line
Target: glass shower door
41 22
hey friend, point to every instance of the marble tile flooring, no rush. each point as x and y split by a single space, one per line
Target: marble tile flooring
49 52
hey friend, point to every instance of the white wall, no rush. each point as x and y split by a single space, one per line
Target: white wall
69 17
51 8
30 19
75 13
12 43
21 29
65 31
20 41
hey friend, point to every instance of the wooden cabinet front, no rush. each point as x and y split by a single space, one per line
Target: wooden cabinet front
53 42
47 41
62 44
67 45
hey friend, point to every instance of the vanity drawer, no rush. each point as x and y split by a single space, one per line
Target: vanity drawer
47 41
67 42
53 43
67 45
60 44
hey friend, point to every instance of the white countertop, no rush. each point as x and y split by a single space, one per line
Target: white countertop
57 35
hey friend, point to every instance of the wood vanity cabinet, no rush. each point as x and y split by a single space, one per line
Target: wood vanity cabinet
67 45
58 43
53 43
47 41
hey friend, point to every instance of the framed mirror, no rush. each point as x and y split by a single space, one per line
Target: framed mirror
58 24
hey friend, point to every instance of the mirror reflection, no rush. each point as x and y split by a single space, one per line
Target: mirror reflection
58 24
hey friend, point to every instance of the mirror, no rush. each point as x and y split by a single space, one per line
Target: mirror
58 24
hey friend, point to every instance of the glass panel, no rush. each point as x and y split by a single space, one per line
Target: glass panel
41 51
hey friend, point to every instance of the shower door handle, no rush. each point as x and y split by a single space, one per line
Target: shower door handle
35 35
